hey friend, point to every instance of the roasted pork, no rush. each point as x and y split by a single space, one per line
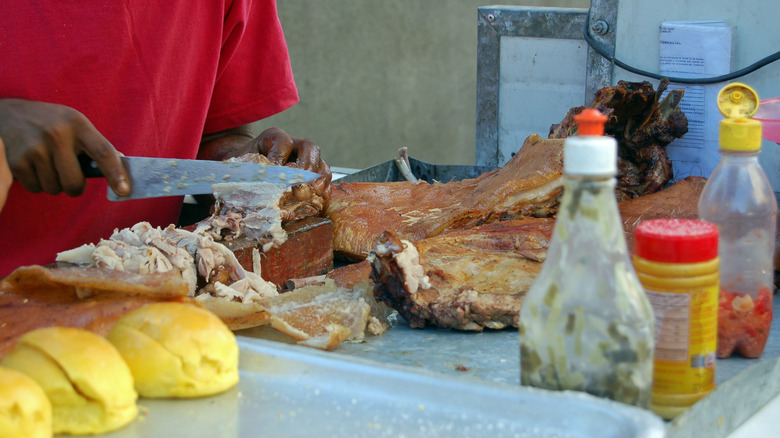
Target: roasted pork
476 278
529 185
643 124
466 279
302 201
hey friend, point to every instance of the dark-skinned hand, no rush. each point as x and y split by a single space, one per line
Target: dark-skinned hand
279 147
43 142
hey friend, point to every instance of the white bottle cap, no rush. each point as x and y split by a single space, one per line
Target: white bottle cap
590 155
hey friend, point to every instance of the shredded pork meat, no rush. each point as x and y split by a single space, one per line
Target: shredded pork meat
243 210
247 210
144 249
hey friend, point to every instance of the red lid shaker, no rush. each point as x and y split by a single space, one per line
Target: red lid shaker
677 263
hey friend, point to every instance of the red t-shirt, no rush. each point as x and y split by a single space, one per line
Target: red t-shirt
152 76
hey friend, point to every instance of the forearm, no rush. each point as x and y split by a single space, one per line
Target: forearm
224 144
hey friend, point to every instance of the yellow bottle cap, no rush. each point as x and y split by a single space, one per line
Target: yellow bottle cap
738 132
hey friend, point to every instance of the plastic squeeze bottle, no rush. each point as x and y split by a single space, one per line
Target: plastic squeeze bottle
586 324
739 199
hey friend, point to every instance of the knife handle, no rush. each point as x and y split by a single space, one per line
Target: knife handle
89 167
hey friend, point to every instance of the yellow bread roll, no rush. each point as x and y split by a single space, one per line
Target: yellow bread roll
25 411
89 385
177 350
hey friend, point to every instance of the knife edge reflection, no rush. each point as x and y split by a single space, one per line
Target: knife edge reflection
160 177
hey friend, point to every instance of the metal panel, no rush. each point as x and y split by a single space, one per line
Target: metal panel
537 87
495 23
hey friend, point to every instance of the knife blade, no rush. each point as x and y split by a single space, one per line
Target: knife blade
158 177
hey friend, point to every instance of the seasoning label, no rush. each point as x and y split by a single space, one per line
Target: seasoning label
686 325
672 325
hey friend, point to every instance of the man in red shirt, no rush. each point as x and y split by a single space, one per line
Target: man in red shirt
178 79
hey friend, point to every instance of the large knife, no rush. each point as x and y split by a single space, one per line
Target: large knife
157 177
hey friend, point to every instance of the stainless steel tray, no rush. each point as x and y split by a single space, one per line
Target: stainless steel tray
292 391
492 357
387 171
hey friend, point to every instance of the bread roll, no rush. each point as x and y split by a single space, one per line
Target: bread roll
89 385
177 350
25 411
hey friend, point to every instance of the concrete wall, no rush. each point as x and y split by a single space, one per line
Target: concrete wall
375 75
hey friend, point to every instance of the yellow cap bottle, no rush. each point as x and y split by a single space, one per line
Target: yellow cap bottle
740 200
738 132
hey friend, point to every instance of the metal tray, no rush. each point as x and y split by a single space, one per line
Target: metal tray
292 391
387 171
492 357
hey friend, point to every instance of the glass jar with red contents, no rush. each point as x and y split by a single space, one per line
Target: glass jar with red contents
739 199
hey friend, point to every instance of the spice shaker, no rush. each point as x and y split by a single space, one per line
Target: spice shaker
677 263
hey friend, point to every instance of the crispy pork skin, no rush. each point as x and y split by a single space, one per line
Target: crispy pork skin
679 200
529 185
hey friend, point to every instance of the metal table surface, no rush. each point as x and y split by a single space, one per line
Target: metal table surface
744 385
292 391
